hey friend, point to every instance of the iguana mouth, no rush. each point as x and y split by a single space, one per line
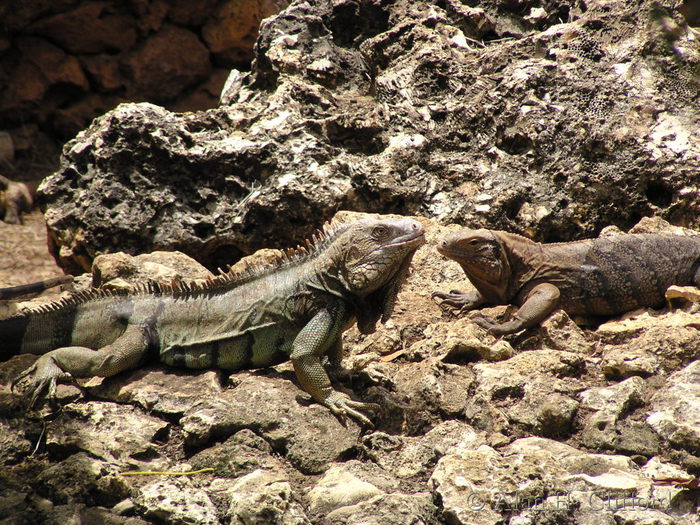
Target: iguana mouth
452 253
417 238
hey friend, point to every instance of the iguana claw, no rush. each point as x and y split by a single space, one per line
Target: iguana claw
495 328
454 300
341 405
46 376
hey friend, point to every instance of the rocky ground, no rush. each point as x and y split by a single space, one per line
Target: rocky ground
553 425
554 119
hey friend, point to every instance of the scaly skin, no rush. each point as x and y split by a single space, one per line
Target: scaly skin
296 310
595 277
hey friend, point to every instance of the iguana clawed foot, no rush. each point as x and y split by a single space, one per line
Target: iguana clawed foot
494 327
341 405
453 300
46 376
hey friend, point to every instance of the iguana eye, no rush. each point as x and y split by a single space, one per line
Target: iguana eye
379 232
474 242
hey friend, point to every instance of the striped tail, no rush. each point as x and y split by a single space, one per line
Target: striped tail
12 292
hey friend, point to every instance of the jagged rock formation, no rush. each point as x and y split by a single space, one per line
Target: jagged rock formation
552 425
553 121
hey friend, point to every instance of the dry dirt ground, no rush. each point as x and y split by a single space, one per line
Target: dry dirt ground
25 257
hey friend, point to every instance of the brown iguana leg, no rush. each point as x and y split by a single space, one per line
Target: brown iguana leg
78 361
460 300
309 345
538 304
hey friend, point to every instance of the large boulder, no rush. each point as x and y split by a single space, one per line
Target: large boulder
498 115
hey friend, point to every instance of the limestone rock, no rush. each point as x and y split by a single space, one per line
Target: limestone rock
82 478
415 457
162 390
339 488
477 485
176 502
675 413
309 434
108 431
460 435
163 267
389 509
264 496
609 427
240 454
534 389
13 445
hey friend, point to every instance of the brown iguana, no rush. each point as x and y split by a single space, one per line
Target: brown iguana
13 292
595 277
296 309
15 198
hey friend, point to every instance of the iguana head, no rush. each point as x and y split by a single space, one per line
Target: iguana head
375 260
483 258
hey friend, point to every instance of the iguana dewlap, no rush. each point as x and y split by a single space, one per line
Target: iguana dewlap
595 277
296 309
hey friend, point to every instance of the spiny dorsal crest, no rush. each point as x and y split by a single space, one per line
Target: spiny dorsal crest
223 281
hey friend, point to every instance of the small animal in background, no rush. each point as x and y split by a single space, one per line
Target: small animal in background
15 199
595 277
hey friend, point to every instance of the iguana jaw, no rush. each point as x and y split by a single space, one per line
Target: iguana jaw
411 242
481 256
376 250
376 265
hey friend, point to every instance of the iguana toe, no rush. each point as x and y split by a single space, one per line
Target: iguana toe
495 328
487 323
454 300
46 376
341 405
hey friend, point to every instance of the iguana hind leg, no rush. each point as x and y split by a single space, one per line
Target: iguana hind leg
64 364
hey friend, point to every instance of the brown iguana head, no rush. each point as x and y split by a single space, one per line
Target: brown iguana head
483 258
375 263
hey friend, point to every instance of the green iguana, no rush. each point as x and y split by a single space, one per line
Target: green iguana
28 290
296 309
595 277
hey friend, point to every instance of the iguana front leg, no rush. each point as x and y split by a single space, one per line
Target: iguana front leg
462 301
70 362
313 341
539 303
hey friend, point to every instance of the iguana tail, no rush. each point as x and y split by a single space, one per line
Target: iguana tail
13 292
